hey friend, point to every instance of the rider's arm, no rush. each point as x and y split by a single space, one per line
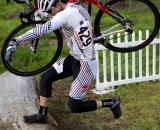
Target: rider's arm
55 23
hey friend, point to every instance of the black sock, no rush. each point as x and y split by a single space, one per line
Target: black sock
43 110
107 103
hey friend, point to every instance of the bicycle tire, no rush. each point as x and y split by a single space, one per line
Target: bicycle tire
27 63
147 6
20 1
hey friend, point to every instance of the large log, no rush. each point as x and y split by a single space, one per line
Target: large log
18 97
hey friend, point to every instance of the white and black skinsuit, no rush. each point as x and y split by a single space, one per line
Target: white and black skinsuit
77 28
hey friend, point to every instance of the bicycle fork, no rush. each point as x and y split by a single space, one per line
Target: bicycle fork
33 46
126 23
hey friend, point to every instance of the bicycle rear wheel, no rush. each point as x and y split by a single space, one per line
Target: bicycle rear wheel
133 17
30 59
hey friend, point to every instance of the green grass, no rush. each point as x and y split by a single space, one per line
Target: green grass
8 21
138 14
140 102
123 67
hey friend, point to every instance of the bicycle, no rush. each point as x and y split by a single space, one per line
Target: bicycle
122 19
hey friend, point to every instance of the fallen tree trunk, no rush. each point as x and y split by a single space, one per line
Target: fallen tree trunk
18 97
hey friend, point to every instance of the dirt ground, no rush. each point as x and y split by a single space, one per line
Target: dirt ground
59 110
6 126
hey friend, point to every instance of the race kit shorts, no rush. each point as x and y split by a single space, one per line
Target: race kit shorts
83 73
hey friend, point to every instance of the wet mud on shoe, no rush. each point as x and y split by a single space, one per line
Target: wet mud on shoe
35 118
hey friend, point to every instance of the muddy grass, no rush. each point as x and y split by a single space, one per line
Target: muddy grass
139 103
96 120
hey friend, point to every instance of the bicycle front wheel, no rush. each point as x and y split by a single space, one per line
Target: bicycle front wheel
128 19
32 57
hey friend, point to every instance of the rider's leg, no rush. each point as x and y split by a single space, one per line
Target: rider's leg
79 89
78 106
58 71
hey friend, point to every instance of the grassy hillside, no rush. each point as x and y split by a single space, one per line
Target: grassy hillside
8 21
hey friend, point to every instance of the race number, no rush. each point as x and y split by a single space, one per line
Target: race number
84 35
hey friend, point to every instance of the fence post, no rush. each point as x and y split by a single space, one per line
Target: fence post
104 67
97 58
112 60
119 59
133 58
147 55
154 59
126 58
140 55
136 56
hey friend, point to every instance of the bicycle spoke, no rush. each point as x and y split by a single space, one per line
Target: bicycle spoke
127 17
35 56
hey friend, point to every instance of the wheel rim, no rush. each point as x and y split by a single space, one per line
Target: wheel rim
138 21
27 63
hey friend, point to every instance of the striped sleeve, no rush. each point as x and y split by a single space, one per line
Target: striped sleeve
41 30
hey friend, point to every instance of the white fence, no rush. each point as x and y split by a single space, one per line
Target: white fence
124 68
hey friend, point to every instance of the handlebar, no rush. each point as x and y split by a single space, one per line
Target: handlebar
31 9
30 12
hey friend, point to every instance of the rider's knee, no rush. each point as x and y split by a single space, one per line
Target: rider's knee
74 105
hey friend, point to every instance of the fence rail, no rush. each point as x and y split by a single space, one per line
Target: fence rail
124 68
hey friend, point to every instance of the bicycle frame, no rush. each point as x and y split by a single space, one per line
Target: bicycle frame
121 21
90 2
34 8
108 12
98 4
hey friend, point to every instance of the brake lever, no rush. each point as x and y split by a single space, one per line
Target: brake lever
27 14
